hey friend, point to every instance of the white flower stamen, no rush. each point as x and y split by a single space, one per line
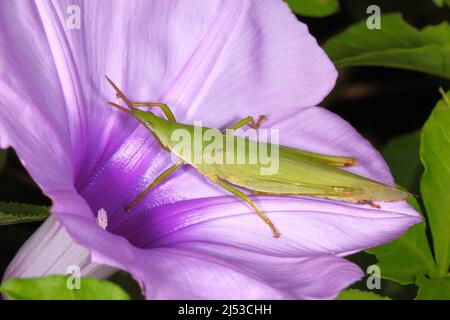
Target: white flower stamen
102 218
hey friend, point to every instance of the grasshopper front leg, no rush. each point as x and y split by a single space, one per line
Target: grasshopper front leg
120 95
164 108
155 182
238 193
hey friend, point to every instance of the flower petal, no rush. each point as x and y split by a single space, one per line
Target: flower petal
308 226
255 59
247 276
215 239
217 72
23 52
50 250
185 270
238 59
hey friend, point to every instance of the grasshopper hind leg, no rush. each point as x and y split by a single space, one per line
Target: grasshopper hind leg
246 199
370 203
155 182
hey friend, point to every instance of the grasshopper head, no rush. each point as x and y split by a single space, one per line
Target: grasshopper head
152 122
147 118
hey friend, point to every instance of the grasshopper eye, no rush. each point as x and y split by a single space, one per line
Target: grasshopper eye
149 125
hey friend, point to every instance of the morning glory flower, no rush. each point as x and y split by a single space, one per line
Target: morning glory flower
214 61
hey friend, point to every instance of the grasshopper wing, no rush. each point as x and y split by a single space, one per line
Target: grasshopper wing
300 174
337 161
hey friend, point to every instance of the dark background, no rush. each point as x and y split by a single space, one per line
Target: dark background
380 103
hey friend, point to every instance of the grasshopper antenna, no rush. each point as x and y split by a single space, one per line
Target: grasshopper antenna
115 105
120 94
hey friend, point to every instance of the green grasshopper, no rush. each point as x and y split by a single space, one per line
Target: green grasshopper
300 173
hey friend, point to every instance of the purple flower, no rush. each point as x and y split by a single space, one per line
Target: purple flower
215 61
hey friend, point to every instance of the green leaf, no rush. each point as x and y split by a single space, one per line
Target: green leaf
406 258
354 294
402 155
129 284
441 3
409 256
313 8
433 289
435 183
11 213
3 158
56 288
397 44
